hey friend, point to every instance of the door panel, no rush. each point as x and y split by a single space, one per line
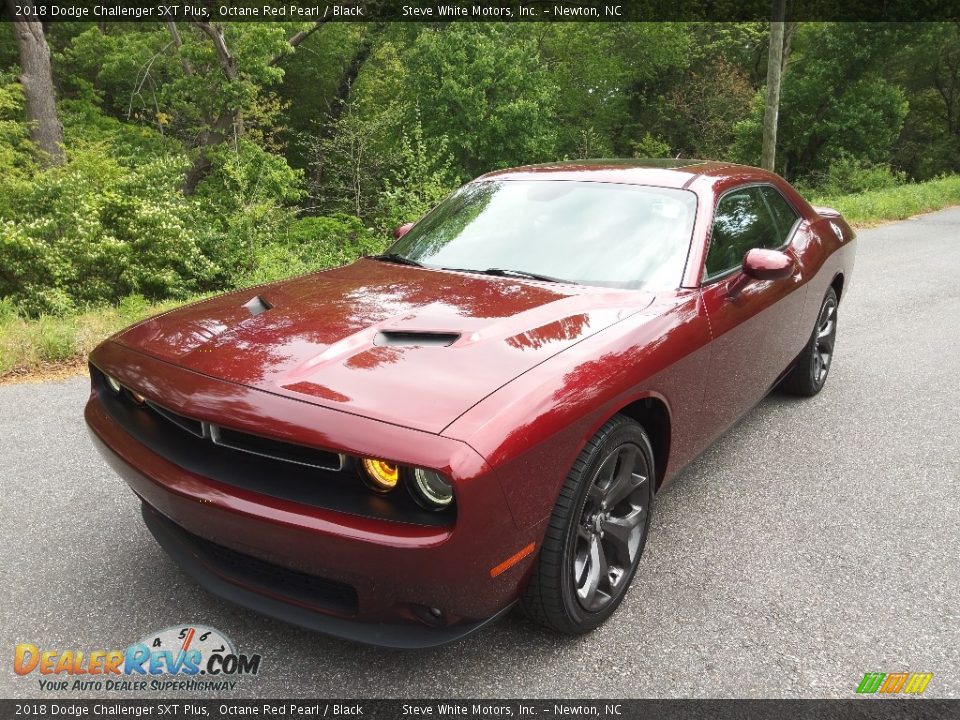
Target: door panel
752 331
753 322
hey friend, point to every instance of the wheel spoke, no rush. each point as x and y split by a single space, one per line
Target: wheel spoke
595 494
636 480
595 570
606 471
622 532
625 480
581 563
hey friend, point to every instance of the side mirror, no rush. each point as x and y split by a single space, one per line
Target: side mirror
761 264
402 230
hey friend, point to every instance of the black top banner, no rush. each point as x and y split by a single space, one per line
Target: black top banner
478 10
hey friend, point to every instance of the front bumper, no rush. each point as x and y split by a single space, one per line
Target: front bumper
227 580
393 572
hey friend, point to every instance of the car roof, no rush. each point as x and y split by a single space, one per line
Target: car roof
668 172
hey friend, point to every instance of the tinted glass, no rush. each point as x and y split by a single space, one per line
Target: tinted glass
623 236
783 214
741 222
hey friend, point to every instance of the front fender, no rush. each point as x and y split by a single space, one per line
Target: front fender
532 429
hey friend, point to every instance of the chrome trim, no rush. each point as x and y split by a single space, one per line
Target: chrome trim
177 419
213 432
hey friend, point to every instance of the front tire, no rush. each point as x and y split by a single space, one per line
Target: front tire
810 373
596 533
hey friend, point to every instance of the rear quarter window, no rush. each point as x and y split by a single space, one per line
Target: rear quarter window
783 213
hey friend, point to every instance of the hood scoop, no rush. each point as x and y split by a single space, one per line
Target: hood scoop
257 305
407 338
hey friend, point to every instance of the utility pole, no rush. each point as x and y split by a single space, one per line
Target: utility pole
771 110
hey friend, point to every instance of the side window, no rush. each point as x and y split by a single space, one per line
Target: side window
742 222
783 213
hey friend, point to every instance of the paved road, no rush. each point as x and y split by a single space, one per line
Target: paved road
816 541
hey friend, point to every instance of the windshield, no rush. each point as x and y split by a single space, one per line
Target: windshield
622 236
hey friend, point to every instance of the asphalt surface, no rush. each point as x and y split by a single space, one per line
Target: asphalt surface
816 541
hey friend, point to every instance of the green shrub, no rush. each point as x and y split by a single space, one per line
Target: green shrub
650 147
423 178
244 206
17 161
8 311
94 230
848 176
309 244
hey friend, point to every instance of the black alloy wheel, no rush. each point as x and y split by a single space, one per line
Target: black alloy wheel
826 336
611 524
597 531
810 373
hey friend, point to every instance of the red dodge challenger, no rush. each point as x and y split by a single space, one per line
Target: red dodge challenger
399 450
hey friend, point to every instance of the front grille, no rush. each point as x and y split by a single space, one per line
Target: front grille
188 424
257 574
275 449
300 474
253 444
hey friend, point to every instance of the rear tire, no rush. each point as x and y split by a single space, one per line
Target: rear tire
810 373
596 533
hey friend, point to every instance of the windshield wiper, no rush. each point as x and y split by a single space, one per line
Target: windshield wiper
502 272
396 258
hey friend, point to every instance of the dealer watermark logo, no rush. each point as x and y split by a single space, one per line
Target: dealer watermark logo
181 657
878 683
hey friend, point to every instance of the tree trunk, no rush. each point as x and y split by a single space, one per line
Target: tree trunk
221 129
37 81
771 109
178 44
230 120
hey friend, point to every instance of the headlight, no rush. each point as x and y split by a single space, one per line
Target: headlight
431 490
113 384
382 476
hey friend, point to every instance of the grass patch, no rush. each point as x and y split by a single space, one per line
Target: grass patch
31 344
876 206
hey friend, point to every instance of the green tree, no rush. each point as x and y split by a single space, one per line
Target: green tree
607 75
835 101
927 66
423 177
481 85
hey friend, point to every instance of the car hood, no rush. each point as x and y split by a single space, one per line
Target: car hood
401 344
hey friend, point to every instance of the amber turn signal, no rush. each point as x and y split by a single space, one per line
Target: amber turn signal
512 560
383 476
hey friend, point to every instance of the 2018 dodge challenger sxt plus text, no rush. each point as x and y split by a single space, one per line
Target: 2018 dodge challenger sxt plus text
398 450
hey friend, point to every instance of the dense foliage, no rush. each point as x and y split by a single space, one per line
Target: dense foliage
203 157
